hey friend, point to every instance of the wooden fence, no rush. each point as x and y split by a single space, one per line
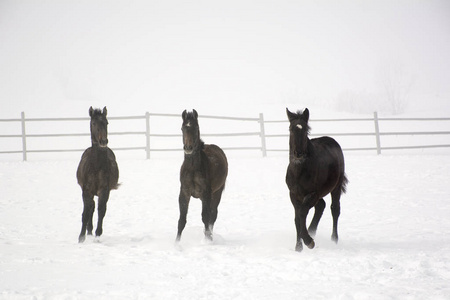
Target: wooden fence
259 124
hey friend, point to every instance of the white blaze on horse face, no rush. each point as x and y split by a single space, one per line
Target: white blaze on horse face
299 126
188 124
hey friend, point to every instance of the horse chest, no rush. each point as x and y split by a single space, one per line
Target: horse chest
97 172
194 182
198 187
301 179
96 181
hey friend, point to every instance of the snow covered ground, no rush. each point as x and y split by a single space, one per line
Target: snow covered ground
394 234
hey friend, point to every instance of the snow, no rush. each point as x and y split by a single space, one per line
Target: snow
235 59
394 234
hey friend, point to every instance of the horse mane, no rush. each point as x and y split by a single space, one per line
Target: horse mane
190 115
97 112
308 129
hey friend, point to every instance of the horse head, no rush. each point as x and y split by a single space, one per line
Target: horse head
99 127
298 137
191 132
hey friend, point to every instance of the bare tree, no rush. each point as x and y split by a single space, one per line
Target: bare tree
396 84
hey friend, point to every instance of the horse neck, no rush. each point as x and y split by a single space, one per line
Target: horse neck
307 147
94 142
96 145
99 150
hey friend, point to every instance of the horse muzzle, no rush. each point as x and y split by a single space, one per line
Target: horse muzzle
298 157
188 150
103 143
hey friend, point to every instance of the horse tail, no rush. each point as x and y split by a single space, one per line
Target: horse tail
344 184
116 186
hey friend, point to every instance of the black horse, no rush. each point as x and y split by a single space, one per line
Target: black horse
316 168
202 175
97 173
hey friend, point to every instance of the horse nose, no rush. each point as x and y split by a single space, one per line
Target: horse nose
188 149
297 154
103 142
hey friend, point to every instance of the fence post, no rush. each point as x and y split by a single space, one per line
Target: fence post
24 137
147 133
377 132
262 135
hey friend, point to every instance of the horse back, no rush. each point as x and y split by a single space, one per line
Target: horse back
329 150
98 170
329 155
217 164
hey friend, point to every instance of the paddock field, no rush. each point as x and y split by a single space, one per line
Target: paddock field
394 234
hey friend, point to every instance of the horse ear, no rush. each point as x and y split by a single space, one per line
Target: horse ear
105 111
291 116
91 111
305 114
183 115
195 113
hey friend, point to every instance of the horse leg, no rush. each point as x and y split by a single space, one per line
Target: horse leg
90 225
206 214
302 234
300 221
297 220
298 227
318 211
183 201
308 202
102 200
88 209
335 212
213 208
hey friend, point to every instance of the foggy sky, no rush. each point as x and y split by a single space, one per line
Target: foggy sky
153 53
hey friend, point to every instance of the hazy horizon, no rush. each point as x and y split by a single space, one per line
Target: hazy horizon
158 54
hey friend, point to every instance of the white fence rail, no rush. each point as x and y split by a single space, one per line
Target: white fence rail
260 138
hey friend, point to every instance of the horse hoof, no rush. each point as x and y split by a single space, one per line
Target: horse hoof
81 239
312 232
334 239
311 245
299 247
208 235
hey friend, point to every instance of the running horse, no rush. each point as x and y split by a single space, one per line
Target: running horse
316 168
202 175
97 173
